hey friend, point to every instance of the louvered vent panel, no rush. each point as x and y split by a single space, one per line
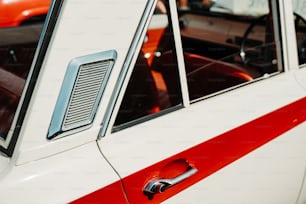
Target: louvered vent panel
81 91
85 93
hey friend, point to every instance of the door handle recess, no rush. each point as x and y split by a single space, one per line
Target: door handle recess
160 185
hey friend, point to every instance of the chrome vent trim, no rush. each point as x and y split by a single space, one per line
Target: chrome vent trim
81 92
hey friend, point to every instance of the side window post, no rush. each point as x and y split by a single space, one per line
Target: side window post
179 52
154 86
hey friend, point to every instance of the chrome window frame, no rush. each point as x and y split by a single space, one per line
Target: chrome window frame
128 65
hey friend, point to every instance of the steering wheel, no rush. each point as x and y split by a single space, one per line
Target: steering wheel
260 56
297 19
243 51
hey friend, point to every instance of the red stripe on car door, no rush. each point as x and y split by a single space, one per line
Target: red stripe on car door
209 156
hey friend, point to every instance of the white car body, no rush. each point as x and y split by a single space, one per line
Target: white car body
243 144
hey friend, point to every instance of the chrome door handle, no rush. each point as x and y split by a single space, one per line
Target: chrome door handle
160 185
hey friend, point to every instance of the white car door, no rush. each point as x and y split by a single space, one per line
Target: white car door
207 110
298 56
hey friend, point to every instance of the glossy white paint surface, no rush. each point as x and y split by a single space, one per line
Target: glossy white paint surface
43 171
60 178
82 29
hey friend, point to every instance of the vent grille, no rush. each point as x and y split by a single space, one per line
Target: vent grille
85 93
81 92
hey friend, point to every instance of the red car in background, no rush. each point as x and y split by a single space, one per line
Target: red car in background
18 12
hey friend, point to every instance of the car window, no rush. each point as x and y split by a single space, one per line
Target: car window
228 43
224 46
15 62
299 12
18 44
148 92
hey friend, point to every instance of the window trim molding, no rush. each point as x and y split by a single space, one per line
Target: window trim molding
126 70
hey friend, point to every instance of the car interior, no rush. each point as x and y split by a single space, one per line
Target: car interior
221 50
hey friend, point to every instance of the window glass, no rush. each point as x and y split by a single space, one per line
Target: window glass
154 83
227 43
299 12
18 43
